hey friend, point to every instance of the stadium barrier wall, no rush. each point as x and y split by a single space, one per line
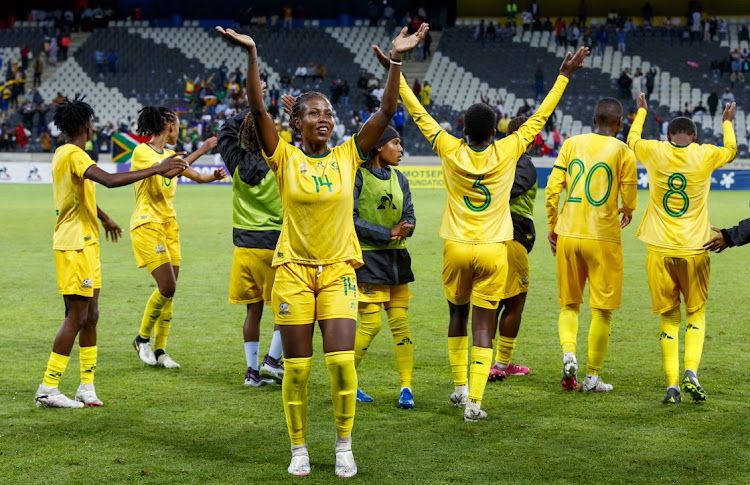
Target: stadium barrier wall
420 176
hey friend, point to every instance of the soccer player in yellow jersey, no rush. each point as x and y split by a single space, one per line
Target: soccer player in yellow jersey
76 246
153 227
585 236
318 249
675 227
477 223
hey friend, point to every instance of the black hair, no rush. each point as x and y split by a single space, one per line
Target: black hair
479 122
73 117
153 120
608 112
297 108
247 137
681 124
515 124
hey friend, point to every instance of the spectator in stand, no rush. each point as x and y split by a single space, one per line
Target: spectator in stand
425 95
526 19
399 119
650 79
648 14
669 28
25 56
64 46
502 126
2 53
22 136
621 40
300 72
287 18
686 111
320 71
113 60
561 34
372 83
556 140
539 82
99 60
344 93
727 97
625 82
53 51
5 95
416 87
743 34
601 40
695 25
713 102
637 87
548 27
511 10
446 125
45 139
479 33
38 70
574 33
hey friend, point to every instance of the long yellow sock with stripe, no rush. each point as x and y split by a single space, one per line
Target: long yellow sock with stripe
153 309
458 352
481 361
55 368
601 323
294 396
694 337
343 390
670 345
403 348
567 326
163 324
88 364
505 348
370 323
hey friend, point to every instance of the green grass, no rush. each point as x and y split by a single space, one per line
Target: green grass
200 425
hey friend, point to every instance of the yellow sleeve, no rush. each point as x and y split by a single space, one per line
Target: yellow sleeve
555 186
728 152
634 135
140 160
629 183
519 140
283 151
438 138
80 162
356 154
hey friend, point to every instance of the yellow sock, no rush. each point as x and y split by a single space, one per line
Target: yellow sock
163 323
343 390
458 350
669 342
567 326
151 314
55 368
505 347
481 361
601 322
88 364
294 394
694 336
370 322
403 349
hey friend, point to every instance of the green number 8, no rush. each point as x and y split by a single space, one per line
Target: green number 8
484 190
676 190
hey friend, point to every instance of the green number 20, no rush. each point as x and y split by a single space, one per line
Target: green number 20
484 190
587 184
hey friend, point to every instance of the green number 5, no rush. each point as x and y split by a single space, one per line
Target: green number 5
484 190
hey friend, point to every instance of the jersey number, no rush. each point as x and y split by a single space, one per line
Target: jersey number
587 183
167 182
484 190
678 190
319 183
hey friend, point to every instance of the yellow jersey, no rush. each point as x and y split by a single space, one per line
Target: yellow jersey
75 200
479 181
316 194
593 169
153 195
679 178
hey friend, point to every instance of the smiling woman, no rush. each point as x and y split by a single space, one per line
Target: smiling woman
318 249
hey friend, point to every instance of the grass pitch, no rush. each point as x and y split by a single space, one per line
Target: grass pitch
200 425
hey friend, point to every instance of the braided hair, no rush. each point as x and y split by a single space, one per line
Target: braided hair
153 120
247 137
297 108
73 117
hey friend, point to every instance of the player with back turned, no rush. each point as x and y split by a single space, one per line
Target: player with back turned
585 236
76 247
476 225
676 227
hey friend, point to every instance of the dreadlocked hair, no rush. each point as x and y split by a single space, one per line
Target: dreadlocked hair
297 108
72 117
153 120
248 138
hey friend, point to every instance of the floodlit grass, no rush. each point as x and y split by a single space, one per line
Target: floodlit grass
200 425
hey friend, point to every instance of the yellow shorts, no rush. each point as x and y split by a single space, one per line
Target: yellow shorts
599 261
519 271
303 294
668 277
475 271
79 272
393 296
252 276
156 243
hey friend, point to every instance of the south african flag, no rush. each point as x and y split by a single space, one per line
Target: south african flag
123 145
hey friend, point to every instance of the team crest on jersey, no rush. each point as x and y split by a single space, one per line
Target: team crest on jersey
160 249
284 309
303 168
320 165
525 280
335 166
86 283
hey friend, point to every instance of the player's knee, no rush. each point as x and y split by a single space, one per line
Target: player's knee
92 317
167 289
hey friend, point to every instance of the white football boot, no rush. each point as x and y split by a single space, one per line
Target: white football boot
52 397
166 361
87 395
345 465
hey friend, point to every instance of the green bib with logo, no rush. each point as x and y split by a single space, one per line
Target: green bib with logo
381 202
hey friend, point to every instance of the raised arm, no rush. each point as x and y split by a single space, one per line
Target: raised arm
373 129
207 146
111 180
265 128
729 150
634 135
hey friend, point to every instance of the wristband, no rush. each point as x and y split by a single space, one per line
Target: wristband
396 63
